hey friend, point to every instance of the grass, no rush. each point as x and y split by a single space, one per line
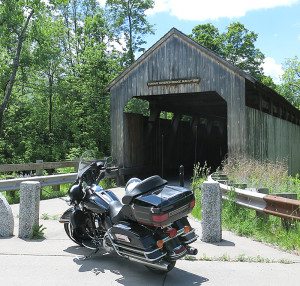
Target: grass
245 222
46 216
38 232
271 175
240 258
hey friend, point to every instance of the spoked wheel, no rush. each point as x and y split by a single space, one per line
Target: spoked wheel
160 271
72 234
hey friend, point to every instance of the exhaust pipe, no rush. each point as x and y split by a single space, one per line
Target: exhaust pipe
192 250
164 266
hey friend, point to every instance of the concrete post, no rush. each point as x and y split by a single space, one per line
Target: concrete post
6 218
29 207
211 212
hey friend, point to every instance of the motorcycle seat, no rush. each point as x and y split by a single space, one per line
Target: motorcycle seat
119 212
143 187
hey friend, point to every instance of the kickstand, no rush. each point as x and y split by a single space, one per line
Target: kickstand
91 254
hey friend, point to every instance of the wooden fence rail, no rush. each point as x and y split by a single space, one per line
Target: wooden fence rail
39 165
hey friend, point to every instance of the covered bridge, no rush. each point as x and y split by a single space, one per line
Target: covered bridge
217 109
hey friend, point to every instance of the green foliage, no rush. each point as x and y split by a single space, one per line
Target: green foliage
59 105
46 216
38 232
290 86
236 45
129 20
268 81
208 36
108 183
136 105
200 174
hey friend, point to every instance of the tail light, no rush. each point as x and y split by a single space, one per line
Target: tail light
160 217
172 232
192 203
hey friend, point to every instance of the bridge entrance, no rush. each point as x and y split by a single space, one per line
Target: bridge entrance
181 129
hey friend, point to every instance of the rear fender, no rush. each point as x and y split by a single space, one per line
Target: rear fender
65 218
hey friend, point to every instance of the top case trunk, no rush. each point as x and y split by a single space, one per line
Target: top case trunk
163 206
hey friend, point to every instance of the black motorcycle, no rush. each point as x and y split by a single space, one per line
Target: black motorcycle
149 226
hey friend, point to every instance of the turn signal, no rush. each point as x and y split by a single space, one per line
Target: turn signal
160 244
187 229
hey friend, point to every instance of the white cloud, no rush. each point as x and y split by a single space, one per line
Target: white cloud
273 69
200 10
102 2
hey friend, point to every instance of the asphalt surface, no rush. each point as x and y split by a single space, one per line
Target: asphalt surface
56 260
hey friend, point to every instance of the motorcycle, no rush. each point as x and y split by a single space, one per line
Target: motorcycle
149 226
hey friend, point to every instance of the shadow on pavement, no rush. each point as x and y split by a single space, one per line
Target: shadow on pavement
224 242
125 272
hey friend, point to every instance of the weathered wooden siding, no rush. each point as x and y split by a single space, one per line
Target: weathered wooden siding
178 57
134 140
272 138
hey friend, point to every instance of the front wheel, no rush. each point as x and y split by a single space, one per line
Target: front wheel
72 234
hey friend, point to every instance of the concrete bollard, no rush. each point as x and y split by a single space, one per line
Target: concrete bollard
211 212
6 218
29 207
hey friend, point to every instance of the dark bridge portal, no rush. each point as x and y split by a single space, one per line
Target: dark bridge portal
197 132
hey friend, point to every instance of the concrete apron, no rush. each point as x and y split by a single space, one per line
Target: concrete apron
56 261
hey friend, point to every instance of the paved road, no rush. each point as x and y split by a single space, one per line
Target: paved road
57 261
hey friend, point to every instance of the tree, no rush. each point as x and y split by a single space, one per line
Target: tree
236 45
14 20
129 20
240 49
208 36
290 86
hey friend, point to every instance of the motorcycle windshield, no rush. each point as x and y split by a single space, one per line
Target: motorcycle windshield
87 158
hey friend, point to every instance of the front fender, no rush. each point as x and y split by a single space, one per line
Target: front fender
65 218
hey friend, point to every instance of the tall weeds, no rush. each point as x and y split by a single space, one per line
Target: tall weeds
257 174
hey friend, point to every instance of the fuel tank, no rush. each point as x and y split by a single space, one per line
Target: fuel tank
99 200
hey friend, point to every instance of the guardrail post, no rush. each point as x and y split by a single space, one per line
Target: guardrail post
29 207
39 171
211 212
287 224
261 215
6 218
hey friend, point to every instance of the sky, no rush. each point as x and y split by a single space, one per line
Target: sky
277 23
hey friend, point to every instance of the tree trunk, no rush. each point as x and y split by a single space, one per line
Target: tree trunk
50 104
12 78
130 50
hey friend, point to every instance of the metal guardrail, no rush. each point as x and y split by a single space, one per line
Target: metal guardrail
268 204
52 180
